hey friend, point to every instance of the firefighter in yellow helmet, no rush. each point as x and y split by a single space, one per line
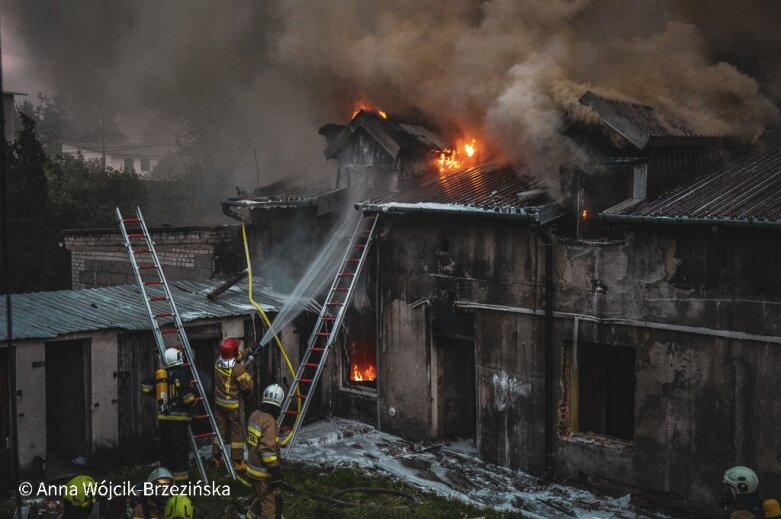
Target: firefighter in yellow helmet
175 397
79 498
179 507
231 381
263 465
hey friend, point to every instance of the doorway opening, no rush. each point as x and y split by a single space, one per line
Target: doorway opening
67 395
455 387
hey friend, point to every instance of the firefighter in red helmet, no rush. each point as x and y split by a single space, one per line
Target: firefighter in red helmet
231 381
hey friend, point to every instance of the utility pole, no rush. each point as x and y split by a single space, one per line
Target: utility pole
103 136
257 169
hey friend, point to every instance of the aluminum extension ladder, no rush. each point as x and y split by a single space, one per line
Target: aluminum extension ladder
325 331
166 320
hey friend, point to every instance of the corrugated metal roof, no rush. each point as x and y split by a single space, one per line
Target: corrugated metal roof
747 191
639 124
393 136
505 190
43 315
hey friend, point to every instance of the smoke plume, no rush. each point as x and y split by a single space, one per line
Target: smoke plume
270 73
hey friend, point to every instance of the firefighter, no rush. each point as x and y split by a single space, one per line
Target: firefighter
175 397
150 506
179 507
741 494
80 499
263 465
230 381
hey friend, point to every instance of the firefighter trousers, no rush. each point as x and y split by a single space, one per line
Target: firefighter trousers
229 425
175 448
268 501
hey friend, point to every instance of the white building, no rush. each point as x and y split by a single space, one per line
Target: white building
139 157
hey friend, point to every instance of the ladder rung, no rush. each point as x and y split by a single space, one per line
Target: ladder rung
130 220
141 251
329 318
306 380
292 412
201 417
284 428
323 334
346 275
157 298
334 304
341 289
297 396
311 364
170 331
166 314
359 245
204 435
147 266
153 282
353 260
136 235
316 349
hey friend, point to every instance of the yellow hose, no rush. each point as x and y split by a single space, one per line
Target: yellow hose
268 324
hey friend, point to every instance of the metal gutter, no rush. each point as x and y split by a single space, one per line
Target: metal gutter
684 220
537 214
696 330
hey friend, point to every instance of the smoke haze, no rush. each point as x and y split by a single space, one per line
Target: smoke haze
272 72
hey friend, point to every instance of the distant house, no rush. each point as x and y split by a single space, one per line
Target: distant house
139 157
12 122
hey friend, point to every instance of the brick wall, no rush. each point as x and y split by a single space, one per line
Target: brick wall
98 257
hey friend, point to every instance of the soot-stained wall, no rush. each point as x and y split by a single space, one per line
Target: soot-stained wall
702 398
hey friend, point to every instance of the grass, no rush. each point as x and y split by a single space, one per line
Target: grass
324 481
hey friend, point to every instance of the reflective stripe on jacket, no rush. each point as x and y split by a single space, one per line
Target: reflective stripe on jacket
262 443
229 382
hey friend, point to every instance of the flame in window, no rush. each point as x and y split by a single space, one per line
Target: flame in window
459 157
363 373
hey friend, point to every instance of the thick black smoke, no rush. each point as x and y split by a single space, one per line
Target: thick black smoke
271 72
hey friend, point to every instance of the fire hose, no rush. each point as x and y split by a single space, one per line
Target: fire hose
267 322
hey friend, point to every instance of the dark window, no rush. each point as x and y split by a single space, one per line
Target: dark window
444 245
606 390
128 164
145 165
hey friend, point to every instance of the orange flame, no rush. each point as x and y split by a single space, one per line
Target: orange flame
357 107
584 213
451 159
367 374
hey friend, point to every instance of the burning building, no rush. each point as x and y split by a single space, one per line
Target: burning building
575 335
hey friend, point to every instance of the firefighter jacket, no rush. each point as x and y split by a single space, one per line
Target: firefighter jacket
180 395
230 379
263 445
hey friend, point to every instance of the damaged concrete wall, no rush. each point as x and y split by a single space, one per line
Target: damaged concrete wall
99 258
701 399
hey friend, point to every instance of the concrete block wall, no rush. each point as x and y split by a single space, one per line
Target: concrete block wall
98 257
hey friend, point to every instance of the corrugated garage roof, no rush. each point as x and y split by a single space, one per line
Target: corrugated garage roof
43 315
745 192
499 190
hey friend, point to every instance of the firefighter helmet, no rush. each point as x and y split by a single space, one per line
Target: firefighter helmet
273 394
172 357
229 348
161 475
741 479
771 508
81 492
179 507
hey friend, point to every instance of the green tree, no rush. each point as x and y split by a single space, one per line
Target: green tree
32 244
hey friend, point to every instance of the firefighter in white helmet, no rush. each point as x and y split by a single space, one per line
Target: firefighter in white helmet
263 465
175 396
741 494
